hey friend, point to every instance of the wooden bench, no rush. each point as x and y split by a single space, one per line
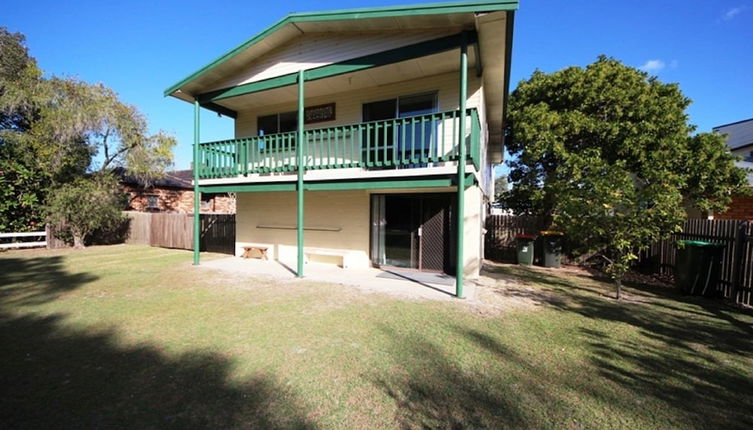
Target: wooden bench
346 256
261 251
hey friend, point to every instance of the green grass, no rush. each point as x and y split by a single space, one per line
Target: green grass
136 337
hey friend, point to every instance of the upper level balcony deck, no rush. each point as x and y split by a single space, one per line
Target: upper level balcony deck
401 143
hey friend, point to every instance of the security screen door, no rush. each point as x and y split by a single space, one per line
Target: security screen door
412 231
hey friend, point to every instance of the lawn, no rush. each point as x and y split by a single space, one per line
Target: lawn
136 337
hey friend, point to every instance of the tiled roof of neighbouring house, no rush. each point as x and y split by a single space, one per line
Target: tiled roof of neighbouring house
173 179
739 134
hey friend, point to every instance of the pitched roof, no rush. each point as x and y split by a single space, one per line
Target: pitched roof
390 12
182 179
739 134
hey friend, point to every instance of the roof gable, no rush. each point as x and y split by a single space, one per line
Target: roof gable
321 49
384 19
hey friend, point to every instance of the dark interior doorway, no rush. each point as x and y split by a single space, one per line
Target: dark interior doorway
413 231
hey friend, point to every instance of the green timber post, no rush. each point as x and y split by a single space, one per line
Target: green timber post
196 192
299 149
460 265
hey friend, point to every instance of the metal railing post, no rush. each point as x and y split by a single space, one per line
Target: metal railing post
196 194
299 147
738 251
461 168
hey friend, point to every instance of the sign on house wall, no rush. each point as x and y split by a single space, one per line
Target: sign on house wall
319 113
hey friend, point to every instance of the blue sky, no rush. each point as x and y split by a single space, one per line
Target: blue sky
139 48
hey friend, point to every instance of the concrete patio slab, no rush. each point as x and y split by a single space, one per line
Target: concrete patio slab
396 282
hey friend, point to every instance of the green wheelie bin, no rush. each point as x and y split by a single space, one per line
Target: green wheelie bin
551 243
697 267
525 247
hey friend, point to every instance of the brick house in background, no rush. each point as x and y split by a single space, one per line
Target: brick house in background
740 142
172 193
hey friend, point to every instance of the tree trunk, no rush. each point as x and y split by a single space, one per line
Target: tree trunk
78 239
618 285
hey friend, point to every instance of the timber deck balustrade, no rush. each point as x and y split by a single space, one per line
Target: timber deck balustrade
401 142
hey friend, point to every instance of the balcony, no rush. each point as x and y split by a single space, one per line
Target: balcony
401 143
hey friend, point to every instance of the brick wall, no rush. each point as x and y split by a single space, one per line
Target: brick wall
741 208
176 200
214 203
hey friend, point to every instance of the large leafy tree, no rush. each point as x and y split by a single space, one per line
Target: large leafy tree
606 152
58 131
85 125
85 205
22 186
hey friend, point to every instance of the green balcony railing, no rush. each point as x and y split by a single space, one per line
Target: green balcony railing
409 142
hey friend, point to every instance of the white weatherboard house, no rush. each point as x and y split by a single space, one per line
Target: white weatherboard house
364 137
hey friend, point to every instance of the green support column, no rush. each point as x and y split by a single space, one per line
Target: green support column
460 225
196 194
299 149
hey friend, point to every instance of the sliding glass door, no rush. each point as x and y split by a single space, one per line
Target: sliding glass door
396 232
408 139
412 231
414 139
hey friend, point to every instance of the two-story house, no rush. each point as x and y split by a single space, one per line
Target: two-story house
364 137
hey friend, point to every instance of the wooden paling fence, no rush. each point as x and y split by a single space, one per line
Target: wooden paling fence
172 230
54 242
175 230
501 230
742 289
218 233
140 228
736 274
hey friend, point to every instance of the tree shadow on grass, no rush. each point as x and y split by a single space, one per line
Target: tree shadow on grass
33 281
433 388
57 377
691 353
713 392
54 375
630 383
699 364
432 391
514 290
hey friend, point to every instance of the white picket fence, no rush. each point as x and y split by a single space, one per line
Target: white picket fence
33 234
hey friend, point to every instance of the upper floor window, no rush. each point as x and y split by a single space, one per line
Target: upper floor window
288 121
277 123
400 107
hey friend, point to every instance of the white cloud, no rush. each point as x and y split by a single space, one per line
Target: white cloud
733 12
652 66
